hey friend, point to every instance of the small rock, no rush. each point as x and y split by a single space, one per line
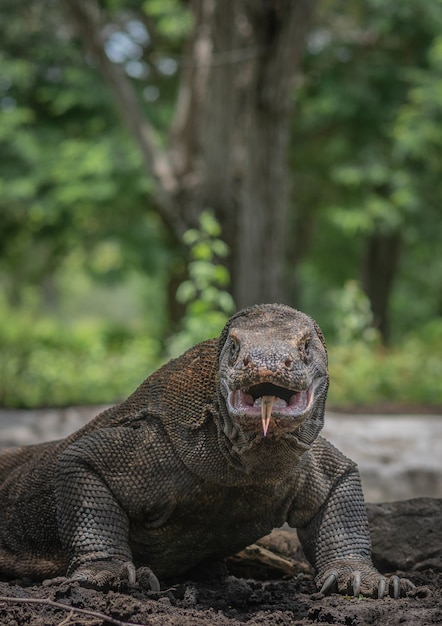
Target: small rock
190 598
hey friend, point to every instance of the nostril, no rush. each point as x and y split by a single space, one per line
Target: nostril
246 361
288 362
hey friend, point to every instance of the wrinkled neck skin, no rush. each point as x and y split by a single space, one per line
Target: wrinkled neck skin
251 455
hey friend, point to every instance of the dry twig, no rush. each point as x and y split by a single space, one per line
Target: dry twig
58 605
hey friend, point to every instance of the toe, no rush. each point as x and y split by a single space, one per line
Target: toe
356 582
382 585
395 586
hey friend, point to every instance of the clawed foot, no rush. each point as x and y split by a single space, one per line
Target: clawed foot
100 574
353 577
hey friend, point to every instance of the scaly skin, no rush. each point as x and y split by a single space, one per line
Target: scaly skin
208 455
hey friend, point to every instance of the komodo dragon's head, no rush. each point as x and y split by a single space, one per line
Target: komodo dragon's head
273 373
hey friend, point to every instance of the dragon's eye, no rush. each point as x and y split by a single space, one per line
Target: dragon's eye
234 350
307 347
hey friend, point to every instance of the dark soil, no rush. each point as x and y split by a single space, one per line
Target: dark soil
221 602
406 537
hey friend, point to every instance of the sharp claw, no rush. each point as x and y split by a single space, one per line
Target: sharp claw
381 588
329 582
356 583
147 579
131 573
396 586
154 582
266 412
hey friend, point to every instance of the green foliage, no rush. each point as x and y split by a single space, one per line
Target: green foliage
173 19
70 180
364 374
78 230
208 303
352 316
366 146
45 362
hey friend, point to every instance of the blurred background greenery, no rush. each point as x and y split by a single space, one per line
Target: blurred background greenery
105 273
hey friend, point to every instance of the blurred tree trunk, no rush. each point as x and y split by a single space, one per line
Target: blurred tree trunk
228 144
379 271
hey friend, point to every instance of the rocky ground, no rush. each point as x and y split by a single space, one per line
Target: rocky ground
271 583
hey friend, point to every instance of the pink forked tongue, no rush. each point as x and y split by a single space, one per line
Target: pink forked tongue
266 412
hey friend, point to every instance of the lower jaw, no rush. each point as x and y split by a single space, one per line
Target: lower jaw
278 425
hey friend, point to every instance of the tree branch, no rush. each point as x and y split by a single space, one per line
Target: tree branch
85 17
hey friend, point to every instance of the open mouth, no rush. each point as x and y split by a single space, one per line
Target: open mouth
268 401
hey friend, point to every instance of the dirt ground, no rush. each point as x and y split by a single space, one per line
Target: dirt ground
268 584
406 534
222 601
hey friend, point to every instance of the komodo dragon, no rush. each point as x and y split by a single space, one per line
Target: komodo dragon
209 454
